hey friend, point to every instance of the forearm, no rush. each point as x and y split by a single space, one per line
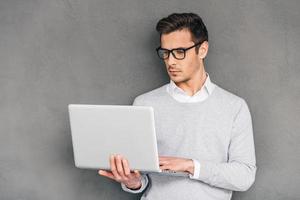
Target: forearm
233 176
238 173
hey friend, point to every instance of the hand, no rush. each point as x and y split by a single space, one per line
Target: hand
121 173
176 164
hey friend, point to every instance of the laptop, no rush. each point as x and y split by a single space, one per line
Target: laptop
101 130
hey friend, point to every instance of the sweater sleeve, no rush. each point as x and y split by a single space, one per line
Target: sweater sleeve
238 173
144 180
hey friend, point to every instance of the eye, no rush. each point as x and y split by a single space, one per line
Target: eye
163 53
179 51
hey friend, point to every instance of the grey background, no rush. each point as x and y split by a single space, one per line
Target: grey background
57 52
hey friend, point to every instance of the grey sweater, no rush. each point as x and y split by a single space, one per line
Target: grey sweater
217 132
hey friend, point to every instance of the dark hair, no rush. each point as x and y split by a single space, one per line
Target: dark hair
179 21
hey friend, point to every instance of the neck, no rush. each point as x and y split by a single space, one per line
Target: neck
194 84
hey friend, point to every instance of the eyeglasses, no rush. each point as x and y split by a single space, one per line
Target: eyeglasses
178 53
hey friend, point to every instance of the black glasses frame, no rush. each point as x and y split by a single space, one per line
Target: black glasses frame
171 51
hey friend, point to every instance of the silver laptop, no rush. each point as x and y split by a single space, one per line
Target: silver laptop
101 130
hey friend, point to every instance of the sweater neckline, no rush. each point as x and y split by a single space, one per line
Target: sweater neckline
188 104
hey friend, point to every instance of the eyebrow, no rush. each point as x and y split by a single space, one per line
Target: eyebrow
175 48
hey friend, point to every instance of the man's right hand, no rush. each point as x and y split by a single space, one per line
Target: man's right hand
121 173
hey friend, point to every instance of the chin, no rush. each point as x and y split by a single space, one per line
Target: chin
177 79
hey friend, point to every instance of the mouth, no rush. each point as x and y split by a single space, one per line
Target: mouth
173 70
174 73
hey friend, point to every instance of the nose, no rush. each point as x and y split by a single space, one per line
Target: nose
171 60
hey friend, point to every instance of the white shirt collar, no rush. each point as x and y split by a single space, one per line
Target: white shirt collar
180 95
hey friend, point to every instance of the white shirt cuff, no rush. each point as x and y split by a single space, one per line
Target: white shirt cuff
144 180
196 170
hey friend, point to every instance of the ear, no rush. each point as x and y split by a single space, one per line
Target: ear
203 49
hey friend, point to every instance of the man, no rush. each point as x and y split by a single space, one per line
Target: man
201 128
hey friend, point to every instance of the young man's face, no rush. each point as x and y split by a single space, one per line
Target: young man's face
192 65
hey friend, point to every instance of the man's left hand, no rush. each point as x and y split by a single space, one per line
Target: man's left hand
176 164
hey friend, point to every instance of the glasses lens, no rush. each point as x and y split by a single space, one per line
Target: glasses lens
179 53
163 54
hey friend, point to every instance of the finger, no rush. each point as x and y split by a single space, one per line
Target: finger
164 167
126 167
163 162
114 168
137 173
164 158
119 165
106 174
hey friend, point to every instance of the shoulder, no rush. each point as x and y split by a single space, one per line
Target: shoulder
151 96
229 99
